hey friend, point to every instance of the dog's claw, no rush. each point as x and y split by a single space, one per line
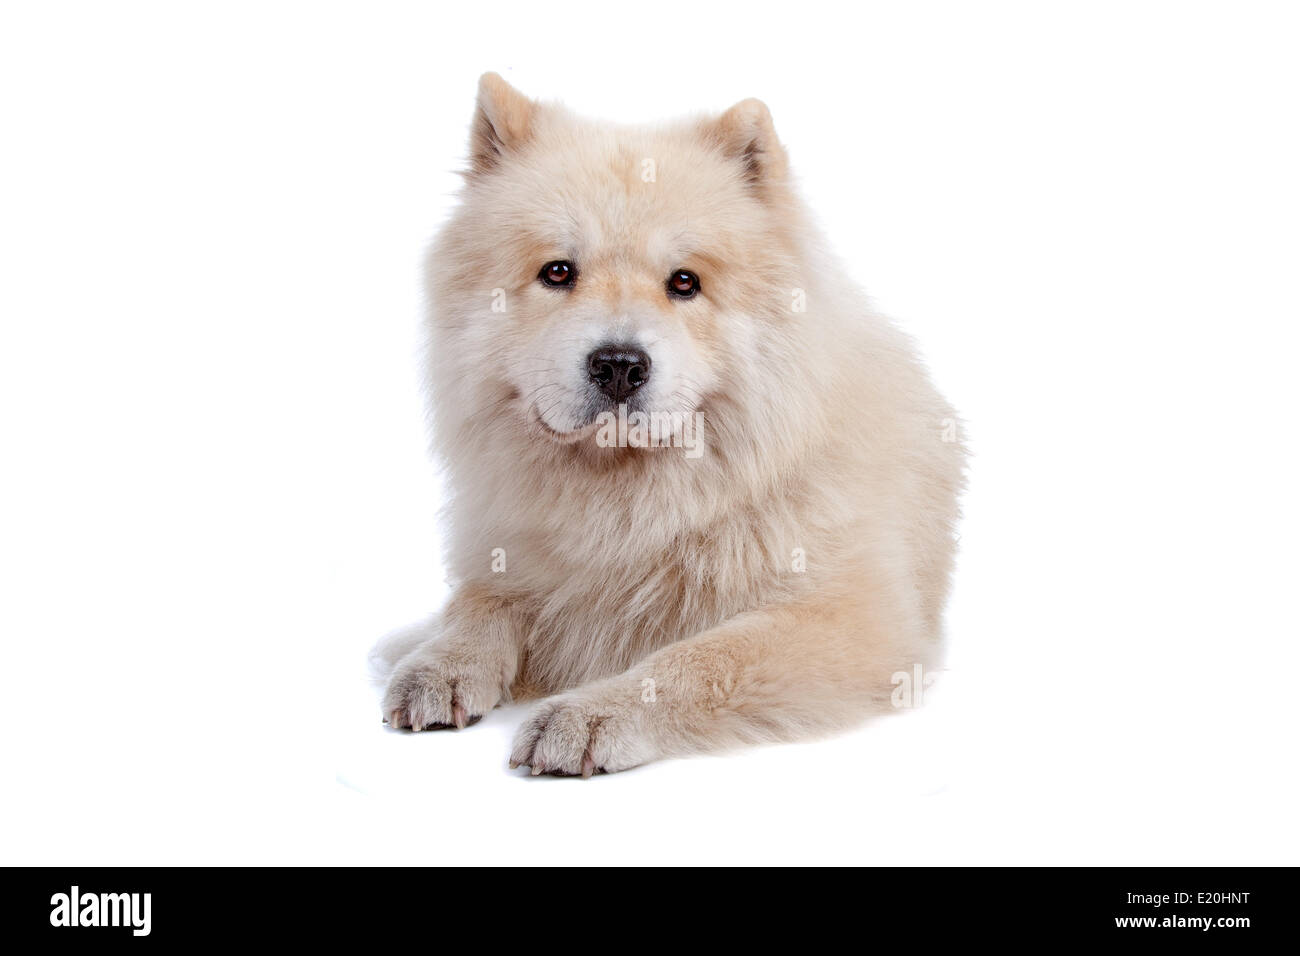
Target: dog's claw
588 765
458 716
514 765
537 770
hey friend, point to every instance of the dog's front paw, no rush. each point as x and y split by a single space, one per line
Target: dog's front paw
582 732
434 688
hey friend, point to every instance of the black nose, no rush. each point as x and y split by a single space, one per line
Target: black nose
619 370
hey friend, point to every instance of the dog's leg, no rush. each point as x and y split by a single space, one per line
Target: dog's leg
455 678
772 674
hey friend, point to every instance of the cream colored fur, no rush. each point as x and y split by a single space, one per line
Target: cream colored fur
766 590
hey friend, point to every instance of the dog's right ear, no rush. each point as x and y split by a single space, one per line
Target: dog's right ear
503 120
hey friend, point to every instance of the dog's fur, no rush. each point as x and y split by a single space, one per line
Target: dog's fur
766 590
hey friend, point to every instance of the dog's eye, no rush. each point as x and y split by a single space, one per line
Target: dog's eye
558 273
683 284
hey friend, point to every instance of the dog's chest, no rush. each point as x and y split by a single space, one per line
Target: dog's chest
596 611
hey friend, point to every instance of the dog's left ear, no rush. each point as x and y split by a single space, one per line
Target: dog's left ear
746 133
503 119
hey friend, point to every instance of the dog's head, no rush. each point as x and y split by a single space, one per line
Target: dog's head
591 266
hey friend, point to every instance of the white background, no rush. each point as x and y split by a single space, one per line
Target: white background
216 493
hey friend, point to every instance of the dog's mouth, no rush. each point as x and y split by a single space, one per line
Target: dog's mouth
566 437
589 410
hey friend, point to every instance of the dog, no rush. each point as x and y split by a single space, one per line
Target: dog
701 495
